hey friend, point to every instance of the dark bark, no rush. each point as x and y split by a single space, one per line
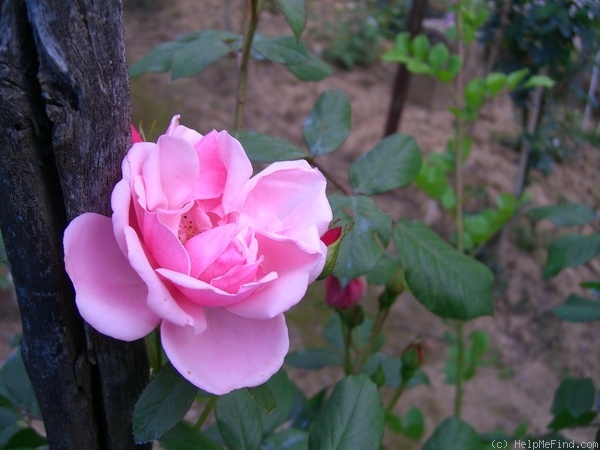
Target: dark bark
414 26
64 115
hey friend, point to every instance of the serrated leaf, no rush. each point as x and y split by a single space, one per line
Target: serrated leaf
360 249
183 437
352 418
314 358
158 60
281 49
448 283
571 250
264 397
198 54
266 148
394 162
386 267
565 214
438 56
328 124
578 309
295 14
26 438
162 404
311 69
390 366
453 434
239 420
287 394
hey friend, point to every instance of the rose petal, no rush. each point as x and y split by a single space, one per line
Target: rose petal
293 266
290 191
120 201
233 352
110 295
160 299
170 173
164 245
182 132
206 247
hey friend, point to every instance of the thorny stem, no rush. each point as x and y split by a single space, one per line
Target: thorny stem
206 412
243 76
458 187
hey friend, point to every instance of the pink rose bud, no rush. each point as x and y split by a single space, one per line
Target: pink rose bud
412 359
331 235
340 297
135 136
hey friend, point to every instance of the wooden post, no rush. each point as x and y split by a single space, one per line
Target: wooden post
64 118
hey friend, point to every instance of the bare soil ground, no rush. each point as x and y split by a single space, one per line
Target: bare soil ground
531 349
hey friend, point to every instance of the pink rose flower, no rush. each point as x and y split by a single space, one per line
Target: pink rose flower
198 247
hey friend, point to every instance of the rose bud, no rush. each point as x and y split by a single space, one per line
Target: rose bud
345 297
332 239
412 359
135 135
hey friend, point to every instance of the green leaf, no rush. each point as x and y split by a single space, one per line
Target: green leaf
314 358
448 283
295 14
281 49
183 437
311 69
573 401
394 162
514 78
163 403
360 249
266 148
17 383
539 81
578 309
393 422
158 60
417 67
475 93
328 124
264 397
286 393
198 54
420 47
288 439
495 83
352 418
413 424
27 438
438 56
590 285
386 267
453 434
390 366
565 214
310 410
571 250
239 420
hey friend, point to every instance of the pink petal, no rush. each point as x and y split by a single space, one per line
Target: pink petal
181 132
121 205
160 299
110 295
170 173
206 247
293 266
239 169
233 352
164 245
290 191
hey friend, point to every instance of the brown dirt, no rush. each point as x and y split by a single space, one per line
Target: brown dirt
531 349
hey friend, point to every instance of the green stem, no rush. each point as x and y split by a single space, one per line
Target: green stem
205 413
158 345
312 162
347 347
377 326
243 77
460 355
395 396
459 190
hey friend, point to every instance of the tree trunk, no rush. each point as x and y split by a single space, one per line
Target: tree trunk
65 116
